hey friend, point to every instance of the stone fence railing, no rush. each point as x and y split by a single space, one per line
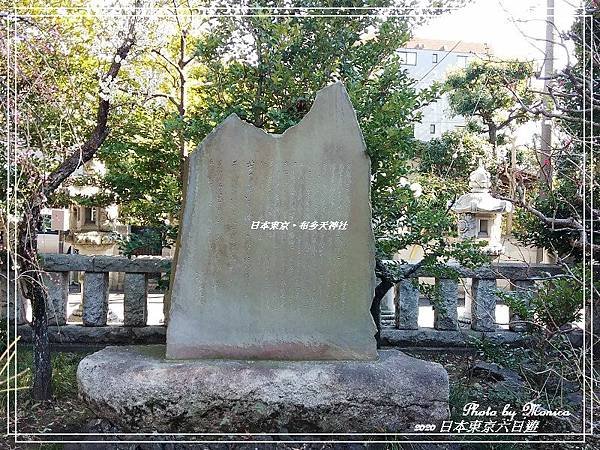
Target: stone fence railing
95 298
95 285
481 291
402 316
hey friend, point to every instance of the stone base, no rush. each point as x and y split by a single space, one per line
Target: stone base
139 390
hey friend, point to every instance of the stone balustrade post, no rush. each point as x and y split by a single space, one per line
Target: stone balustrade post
95 299
468 291
10 310
388 302
483 308
525 289
135 308
445 313
57 288
407 304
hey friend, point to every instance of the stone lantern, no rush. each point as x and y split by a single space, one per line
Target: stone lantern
480 214
480 218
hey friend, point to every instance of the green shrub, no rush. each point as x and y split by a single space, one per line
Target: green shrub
558 302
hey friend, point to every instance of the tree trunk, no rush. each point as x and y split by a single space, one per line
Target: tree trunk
380 292
181 107
492 134
30 278
30 274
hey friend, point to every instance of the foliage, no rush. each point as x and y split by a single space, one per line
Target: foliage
143 169
64 372
563 228
550 365
48 160
54 60
494 92
148 241
551 376
529 230
271 81
64 375
502 354
498 95
558 302
452 156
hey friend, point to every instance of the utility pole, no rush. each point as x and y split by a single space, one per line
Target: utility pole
544 159
544 154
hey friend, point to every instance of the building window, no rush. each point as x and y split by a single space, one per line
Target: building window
408 58
434 58
483 228
90 215
462 61
432 128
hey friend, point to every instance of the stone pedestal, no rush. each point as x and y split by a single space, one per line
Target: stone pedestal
139 390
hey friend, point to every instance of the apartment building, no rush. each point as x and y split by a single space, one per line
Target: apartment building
428 61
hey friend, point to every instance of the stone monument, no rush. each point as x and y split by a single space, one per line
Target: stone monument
269 325
278 242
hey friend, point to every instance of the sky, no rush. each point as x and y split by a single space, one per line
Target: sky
504 25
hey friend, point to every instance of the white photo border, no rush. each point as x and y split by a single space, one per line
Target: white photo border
389 12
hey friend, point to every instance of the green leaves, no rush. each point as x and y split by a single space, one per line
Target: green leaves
454 155
143 167
497 93
267 70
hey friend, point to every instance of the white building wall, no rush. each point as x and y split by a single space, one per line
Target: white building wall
48 243
433 66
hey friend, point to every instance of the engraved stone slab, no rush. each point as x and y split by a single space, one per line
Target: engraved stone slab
245 287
